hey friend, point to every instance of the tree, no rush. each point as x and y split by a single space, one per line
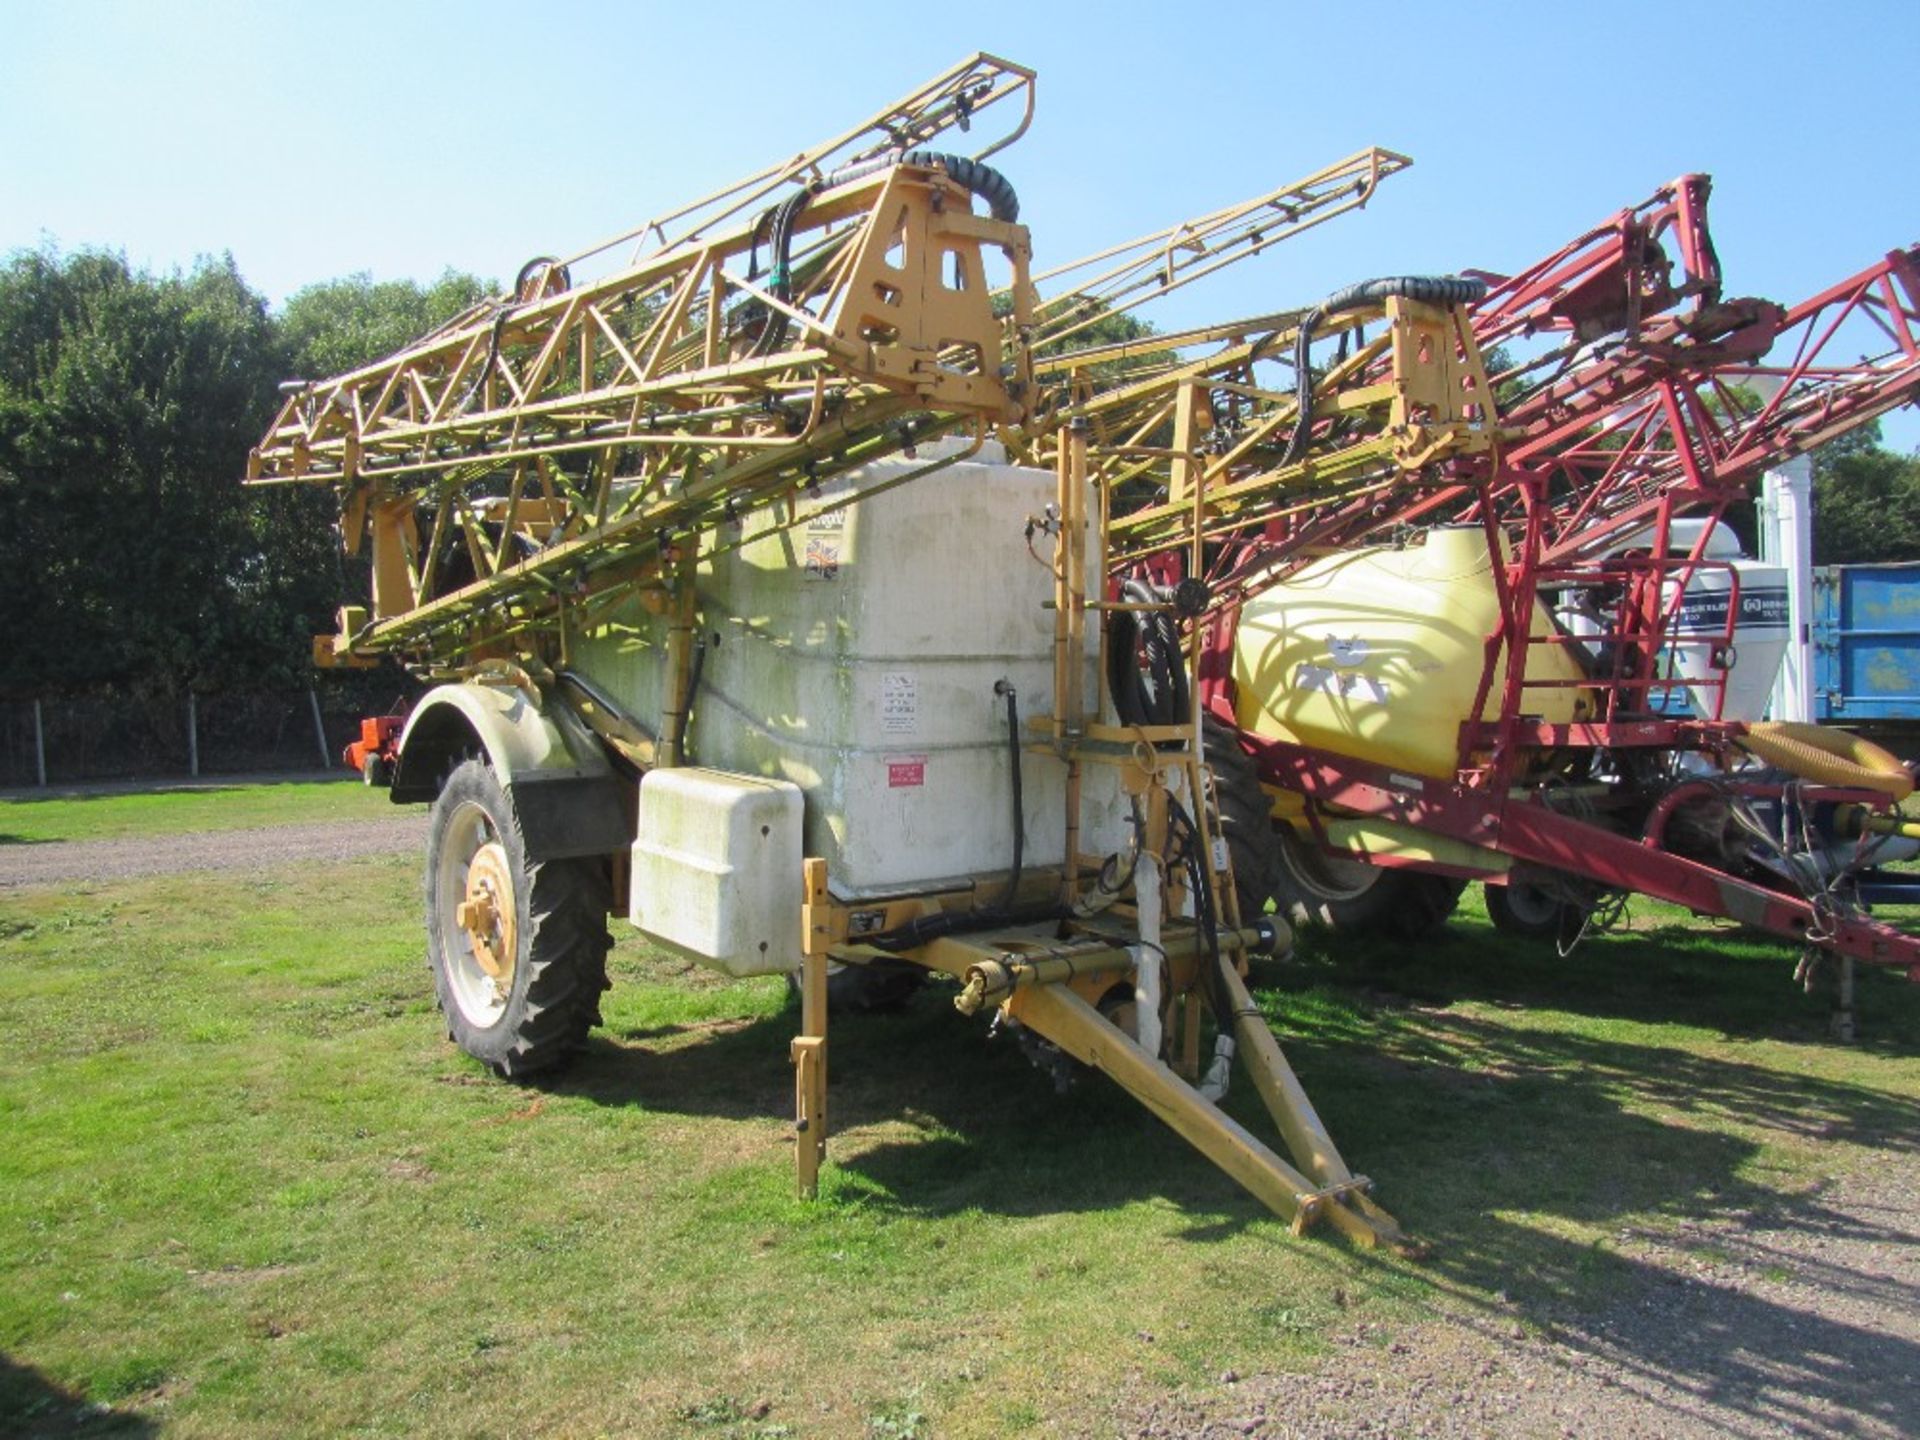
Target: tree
325 330
1866 501
131 556
340 325
128 553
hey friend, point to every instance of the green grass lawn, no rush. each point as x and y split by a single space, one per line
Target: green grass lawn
116 815
247 1188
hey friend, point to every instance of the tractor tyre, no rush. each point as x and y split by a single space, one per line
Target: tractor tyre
1530 912
1356 898
374 773
518 948
876 988
1246 821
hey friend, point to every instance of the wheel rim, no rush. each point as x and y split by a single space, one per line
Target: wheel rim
1532 904
479 929
1327 876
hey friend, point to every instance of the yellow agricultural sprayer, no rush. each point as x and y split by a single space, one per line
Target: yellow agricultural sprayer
803 584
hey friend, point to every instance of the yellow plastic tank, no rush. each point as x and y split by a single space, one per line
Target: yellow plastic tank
1376 654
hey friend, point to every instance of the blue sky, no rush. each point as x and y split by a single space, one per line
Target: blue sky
316 140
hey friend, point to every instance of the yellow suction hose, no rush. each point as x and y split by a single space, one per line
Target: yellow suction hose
1831 757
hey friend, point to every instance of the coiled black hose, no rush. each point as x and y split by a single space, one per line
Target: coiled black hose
1428 289
1146 673
1190 855
780 223
550 263
970 175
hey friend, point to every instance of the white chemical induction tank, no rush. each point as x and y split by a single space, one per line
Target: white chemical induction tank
856 654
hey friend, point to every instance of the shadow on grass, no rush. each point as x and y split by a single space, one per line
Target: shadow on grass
1776 1360
1491 1131
1589 1125
1666 970
948 1120
1493 1165
32 1407
1527 1148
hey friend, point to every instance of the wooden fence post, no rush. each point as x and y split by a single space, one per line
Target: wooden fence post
193 734
39 746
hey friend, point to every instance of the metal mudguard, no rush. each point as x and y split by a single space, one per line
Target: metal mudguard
566 795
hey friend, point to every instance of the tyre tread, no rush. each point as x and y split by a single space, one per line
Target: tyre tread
1246 820
564 948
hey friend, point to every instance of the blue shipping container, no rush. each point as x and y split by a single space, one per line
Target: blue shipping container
1866 642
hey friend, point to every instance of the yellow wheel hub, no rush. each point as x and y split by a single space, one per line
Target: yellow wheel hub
487 914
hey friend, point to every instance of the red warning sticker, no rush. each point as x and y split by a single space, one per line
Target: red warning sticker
906 771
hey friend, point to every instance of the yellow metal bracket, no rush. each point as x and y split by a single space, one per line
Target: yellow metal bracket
1331 1193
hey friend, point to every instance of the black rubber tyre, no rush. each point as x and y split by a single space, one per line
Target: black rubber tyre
1354 897
1530 912
537 1017
871 989
373 772
1246 821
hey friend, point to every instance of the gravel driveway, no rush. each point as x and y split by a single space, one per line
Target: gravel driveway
64 861
1799 1317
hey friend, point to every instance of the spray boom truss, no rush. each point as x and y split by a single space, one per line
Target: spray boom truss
1123 277
576 436
1643 386
575 430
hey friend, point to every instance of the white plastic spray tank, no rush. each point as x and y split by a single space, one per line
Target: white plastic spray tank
855 654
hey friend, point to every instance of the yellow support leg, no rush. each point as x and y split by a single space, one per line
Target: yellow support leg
809 1052
1300 1124
1350 1209
1084 1033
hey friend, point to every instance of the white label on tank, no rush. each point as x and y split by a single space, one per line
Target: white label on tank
1348 685
1348 652
825 532
823 557
899 703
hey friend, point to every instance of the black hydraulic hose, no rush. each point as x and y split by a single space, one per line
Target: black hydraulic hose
1165 664
1002 912
1146 673
549 263
762 227
1428 289
1005 687
1123 668
780 272
1199 867
915 933
693 690
1003 203
781 220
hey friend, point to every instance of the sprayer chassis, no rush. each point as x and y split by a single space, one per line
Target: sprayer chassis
1517 828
